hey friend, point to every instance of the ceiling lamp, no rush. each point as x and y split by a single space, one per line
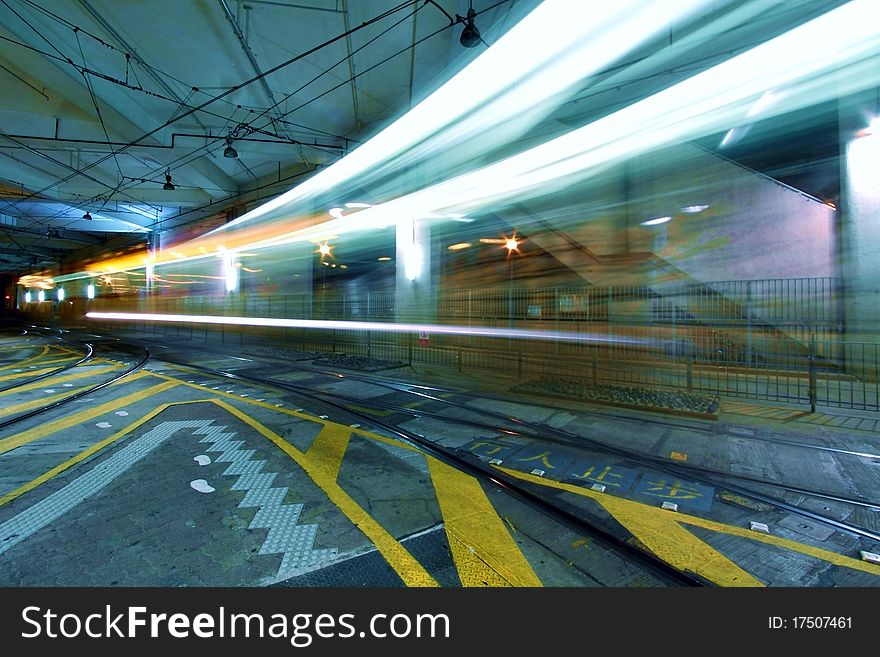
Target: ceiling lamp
169 186
230 151
87 216
470 35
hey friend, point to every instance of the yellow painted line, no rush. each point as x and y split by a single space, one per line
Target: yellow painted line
483 551
328 448
97 447
42 353
45 383
25 437
660 520
398 557
25 375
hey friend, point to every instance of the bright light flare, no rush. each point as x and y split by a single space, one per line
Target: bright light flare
657 221
90 291
339 325
41 295
511 244
27 297
60 294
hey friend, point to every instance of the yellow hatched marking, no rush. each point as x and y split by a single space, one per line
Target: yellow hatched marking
483 551
659 520
54 382
328 448
25 437
398 557
94 449
42 353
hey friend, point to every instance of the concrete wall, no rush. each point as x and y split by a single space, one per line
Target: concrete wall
752 228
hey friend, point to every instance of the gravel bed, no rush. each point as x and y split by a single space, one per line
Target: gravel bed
288 354
688 402
362 363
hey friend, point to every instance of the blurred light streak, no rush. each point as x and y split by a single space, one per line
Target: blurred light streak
390 327
558 44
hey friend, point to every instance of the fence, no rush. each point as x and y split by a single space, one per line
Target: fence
770 339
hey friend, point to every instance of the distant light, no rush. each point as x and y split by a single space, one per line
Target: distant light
358 205
657 221
728 137
343 266
27 297
493 240
384 258
335 212
831 205
324 249
41 295
693 209
90 291
60 294
460 246
511 244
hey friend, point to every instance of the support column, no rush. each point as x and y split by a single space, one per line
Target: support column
417 274
860 217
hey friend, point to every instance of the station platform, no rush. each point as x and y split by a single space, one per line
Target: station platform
200 469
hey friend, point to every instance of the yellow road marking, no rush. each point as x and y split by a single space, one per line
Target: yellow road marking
483 551
54 382
328 448
398 557
718 571
25 375
25 437
42 353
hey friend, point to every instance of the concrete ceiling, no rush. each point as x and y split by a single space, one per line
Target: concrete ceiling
101 99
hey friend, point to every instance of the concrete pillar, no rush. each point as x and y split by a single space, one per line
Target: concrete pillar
860 218
417 273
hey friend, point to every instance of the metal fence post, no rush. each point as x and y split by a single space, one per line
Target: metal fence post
690 373
812 391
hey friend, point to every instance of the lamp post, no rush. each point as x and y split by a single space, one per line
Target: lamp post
511 244
324 249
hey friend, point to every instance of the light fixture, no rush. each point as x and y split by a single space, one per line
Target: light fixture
511 244
169 186
27 297
87 216
324 249
60 294
470 35
384 258
90 291
657 221
459 246
230 151
694 209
